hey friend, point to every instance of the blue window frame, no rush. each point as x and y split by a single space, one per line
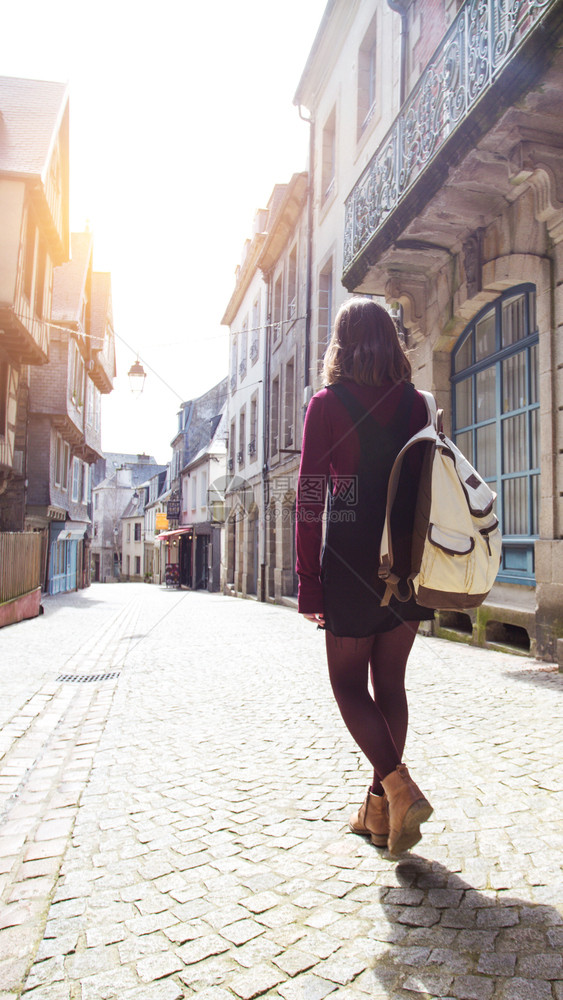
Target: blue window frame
496 418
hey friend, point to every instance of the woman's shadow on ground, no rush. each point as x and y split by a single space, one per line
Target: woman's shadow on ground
447 940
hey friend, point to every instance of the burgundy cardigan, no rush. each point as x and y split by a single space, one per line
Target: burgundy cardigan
331 452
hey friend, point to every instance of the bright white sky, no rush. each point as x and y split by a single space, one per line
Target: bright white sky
182 121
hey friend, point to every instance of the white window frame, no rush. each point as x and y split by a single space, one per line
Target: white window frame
76 477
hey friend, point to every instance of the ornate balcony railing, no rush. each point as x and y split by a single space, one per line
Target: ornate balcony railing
482 39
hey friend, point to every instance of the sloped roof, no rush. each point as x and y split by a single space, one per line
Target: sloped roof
217 445
202 424
134 508
69 279
30 114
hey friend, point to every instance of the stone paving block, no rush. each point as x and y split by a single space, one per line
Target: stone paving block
498 917
526 989
284 937
91 961
203 947
341 968
51 970
34 869
256 981
497 965
421 916
158 991
158 966
306 987
473 988
242 931
322 917
108 985
433 983
12 972
294 960
54 991
133 948
214 971
150 923
452 959
38 887
412 955
53 829
541 966
16 942
521 939
260 949
17 913
555 937
182 931
404 897
280 916
64 944
261 902
234 914
319 944
103 934
477 941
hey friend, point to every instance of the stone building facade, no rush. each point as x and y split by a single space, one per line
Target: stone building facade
246 316
116 477
34 240
445 164
267 318
64 423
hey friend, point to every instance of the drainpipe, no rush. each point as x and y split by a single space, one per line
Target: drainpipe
266 438
400 7
309 276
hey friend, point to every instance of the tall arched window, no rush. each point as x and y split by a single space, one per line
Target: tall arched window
496 418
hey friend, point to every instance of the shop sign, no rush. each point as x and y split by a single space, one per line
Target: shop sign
161 522
173 508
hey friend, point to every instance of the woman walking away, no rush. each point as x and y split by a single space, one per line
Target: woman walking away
354 429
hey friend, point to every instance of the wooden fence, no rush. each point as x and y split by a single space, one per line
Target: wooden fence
20 564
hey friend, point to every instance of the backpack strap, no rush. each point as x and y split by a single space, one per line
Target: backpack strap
429 433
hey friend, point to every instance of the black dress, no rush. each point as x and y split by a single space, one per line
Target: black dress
352 591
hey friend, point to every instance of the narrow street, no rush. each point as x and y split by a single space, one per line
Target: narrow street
175 785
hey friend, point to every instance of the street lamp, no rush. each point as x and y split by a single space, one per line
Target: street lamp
137 376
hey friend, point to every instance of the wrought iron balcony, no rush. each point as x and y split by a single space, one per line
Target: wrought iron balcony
480 44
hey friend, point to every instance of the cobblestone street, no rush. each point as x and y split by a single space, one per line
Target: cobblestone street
175 786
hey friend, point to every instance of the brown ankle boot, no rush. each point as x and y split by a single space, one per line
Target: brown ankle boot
408 808
372 819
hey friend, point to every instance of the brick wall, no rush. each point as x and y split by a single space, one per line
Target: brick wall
427 30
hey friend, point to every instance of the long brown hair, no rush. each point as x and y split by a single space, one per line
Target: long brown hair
365 346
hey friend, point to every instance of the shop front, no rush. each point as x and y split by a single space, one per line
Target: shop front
176 556
66 556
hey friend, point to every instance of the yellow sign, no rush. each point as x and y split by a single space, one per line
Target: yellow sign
161 521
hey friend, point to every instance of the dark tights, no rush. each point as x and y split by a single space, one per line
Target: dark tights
378 724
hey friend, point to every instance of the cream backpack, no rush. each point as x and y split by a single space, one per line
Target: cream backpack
456 544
